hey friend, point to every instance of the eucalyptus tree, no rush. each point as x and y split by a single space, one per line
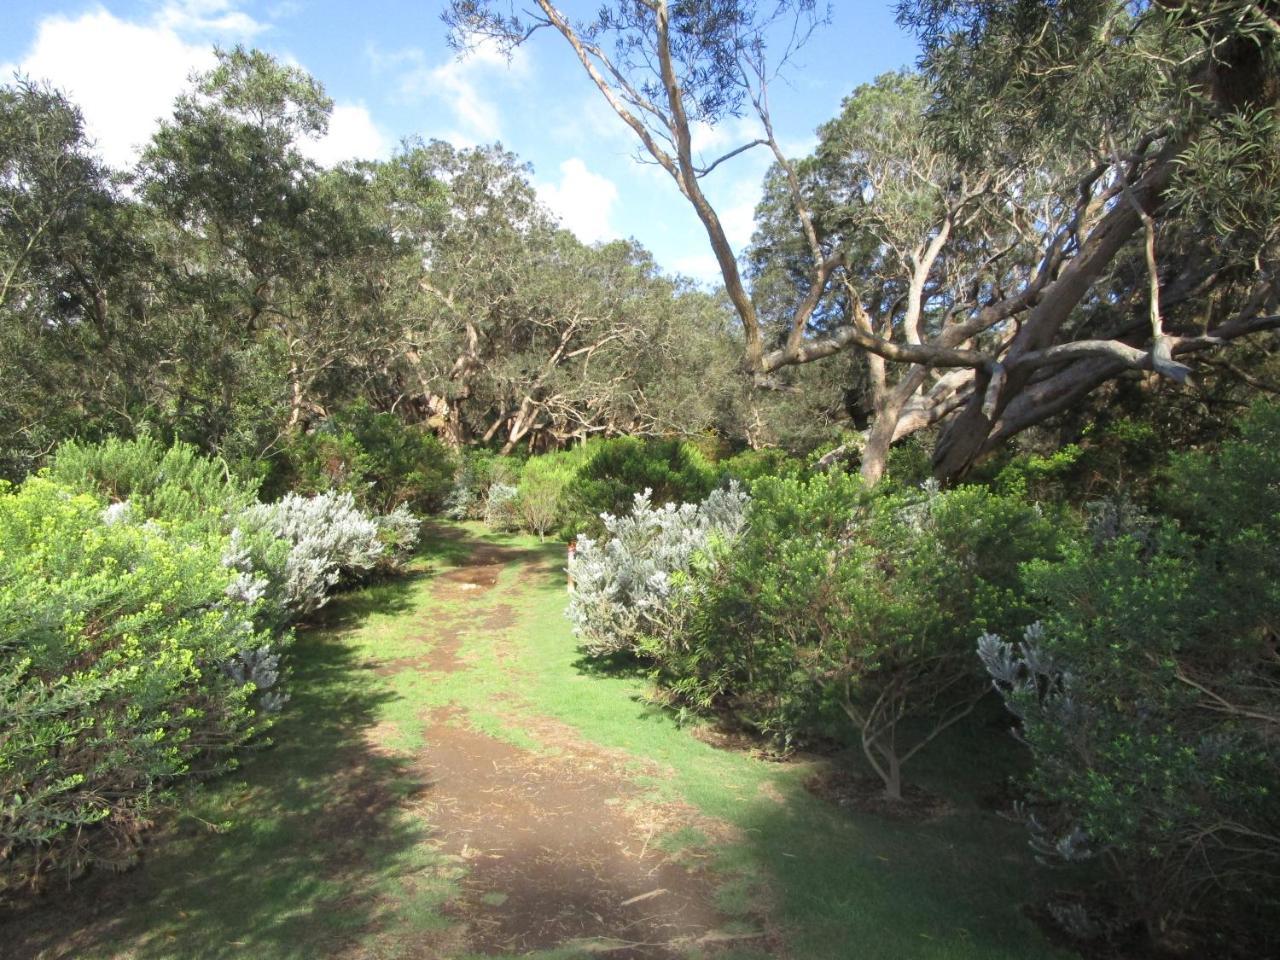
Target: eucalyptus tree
519 333
75 354
1124 153
611 346
264 254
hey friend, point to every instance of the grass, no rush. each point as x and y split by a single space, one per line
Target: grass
841 884
320 845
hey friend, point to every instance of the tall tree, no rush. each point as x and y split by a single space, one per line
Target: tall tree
74 344
264 254
1098 120
519 333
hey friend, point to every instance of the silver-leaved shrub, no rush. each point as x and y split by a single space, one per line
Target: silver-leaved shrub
328 538
631 589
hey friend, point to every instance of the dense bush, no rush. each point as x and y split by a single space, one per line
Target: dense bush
477 471
291 553
174 483
328 539
502 508
617 469
544 480
890 587
633 589
143 592
125 664
541 491
750 465
833 604
1149 696
379 459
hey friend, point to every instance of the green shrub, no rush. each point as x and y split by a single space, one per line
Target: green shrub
1149 697
842 604
544 481
750 465
376 457
175 483
619 468
126 664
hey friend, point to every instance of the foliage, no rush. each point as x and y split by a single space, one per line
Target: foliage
329 540
174 482
632 591
1148 694
125 665
617 469
375 456
750 465
502 509
891 587
68 246
478 470
543 482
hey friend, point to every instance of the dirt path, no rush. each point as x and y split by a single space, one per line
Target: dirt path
559 844
388 822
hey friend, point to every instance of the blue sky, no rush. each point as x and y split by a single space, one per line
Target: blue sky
387 66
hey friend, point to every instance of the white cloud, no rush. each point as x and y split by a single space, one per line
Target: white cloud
352 136
207 16
712 142
459 83
800 146
589 122
702 267
583 201
124 75
736 203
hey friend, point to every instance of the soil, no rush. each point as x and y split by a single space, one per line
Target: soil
559 849
558 844
847 791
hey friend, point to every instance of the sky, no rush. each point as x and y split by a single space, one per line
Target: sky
389 70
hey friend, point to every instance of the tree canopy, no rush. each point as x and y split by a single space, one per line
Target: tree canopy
1048 204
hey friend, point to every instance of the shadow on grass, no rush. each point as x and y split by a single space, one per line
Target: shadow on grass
292 856
447 543
846 881
622 665
350 609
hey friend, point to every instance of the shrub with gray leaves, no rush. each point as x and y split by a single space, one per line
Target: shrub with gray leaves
328 537
633 587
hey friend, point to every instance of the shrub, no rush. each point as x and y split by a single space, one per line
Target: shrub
329 539
750 465
1148 696
125 665
631 590
543 482
174 483
379 459
290 553
619 468
477 471
502 508
840 604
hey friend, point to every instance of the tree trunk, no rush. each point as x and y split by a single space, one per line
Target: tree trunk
963 440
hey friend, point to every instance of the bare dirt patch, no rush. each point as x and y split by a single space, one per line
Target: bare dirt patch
846 790
559 849
560 846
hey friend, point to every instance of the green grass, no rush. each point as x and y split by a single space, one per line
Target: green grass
842 884
319 844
